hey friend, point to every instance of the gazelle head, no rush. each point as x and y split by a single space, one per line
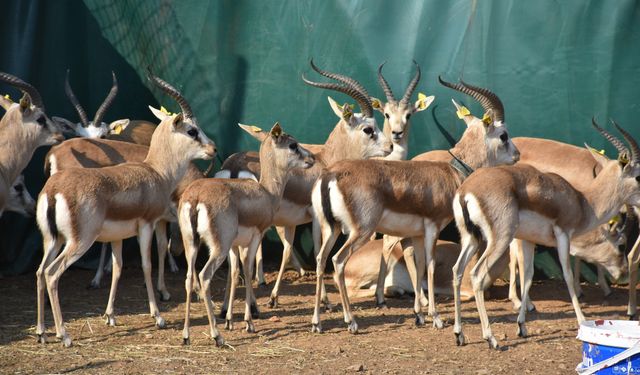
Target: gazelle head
29 113
283 151
20 200
397 114
600 247
627 165
180 132
491 129
95 128
361 128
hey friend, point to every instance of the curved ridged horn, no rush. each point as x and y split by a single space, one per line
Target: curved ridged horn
363 102
74 101
486 98
172 92
635 150
14 81
412 85
622 149
385 86
97 120
353 88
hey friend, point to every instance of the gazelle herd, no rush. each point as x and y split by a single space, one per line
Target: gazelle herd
130 178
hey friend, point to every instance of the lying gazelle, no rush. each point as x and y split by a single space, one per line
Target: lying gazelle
23 128
409 199
498 204
76 153
355 136
578 167
235 212
81 205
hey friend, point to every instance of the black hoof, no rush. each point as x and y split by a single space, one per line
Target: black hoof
162 299
419 320
255 313
219 341
223 314
186 341
459 339
42 338
382 306
273 302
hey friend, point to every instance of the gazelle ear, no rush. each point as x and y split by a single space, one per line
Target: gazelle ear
377 105
254 131
463 113
64 124
276 130
177 120
158 113
25 103
423 102
5 102
118 126
337 109
599 156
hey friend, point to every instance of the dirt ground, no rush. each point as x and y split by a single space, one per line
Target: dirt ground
388 341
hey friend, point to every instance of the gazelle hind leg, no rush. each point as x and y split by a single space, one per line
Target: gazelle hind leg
417 252
522 264
219 249
562 243
95 282
248 258
388 243
145 233
259 274
431 235
116 254
576 276
329 237
162 245
469 247
526 270
51 249
513 270
232 285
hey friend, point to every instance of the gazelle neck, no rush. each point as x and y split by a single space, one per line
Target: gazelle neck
17 144
167 160
604 196
272 177
338 146
471 148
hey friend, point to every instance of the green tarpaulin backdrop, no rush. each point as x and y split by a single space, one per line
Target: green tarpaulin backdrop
555 64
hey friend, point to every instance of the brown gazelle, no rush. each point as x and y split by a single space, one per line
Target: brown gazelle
81 205
76 153
495 205
23 128
409 199
355 136
235 212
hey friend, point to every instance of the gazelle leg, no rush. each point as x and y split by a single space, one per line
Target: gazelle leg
527 251
329 236
287 235
417 252
163 245
51 249
248 258
318 234
72 251
431 235
116 254
191 253
562 243
217 255
145 233
602 281
95 282
353 243
469 246
513 268
232 285
576 276
388 244
259 275
522 265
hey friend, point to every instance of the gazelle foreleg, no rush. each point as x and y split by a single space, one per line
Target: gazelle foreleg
259 274
116 255
525 258
329 237
388 243
516 262
287 235
145 233
431 232
51 249
562 243
416 251
162 245
248 257
226 311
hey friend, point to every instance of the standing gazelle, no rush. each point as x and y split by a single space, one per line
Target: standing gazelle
496 205
235 212
409 199
79 206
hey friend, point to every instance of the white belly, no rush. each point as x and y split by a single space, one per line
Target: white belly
535 228
401 225
245 235
113 230
290 214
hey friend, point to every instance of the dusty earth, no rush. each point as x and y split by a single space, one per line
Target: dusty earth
388 341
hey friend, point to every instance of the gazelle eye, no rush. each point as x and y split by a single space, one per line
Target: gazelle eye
368 131
193 133
41 120
408 116
638 178
293 146
386 115
504 137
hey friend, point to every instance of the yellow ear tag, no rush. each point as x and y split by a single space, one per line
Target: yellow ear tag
7 97
463 111
601 152
255 129
164 110
375 103
487 119
422 98
117 130
623 158
614 219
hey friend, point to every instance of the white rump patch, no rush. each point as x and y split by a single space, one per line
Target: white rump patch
53 165
63 216
338 206
225 173
41 213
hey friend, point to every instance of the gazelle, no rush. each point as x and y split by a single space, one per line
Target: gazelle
74 154
20 200
498 204
81 205
23 128
235 212
355 136
409 199
579 168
